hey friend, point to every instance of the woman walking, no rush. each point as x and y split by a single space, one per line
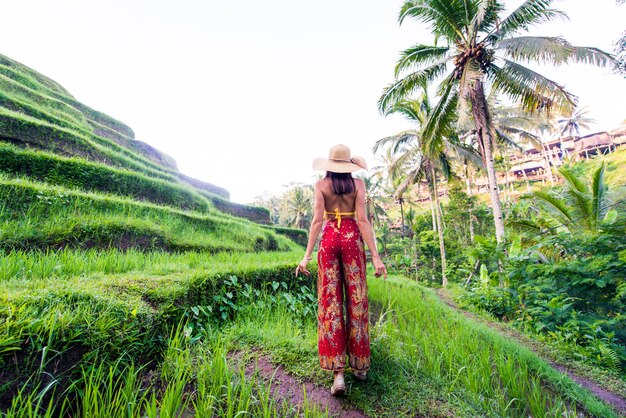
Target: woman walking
340 201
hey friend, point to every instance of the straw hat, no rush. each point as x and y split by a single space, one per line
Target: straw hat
339 161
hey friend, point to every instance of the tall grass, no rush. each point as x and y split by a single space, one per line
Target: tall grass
192 380
492 373
426 360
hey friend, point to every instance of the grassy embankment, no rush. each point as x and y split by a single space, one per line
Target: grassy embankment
426 358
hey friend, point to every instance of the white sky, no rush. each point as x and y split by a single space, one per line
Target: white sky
245 94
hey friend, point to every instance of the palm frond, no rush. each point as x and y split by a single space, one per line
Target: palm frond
445 17
525 137
573 182
521 123
416 173
411 158
541 49
551 50
441 119
526 225
418 56
465 153
552 204
506 140
396 141
404 87
533 91
409 109
598 206
443 163
590 55
485 16
531 12
578 196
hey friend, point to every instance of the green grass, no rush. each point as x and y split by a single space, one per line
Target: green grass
69 142
46 316
48 88
90 176
34 216
114 389
19 98
434 361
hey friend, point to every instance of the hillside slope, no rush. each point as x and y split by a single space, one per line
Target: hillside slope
49 138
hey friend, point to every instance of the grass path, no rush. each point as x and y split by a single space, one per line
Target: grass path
427 360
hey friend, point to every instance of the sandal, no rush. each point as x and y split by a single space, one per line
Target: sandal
360 375
339 387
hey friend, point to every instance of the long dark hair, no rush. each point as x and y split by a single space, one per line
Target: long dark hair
342 183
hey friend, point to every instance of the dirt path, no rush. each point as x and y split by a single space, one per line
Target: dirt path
616 400
286 389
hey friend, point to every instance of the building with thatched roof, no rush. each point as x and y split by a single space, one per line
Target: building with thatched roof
534 162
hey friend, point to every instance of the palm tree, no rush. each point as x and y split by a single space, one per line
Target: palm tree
374 199
296 207
419 160
571 125
417 167
479 47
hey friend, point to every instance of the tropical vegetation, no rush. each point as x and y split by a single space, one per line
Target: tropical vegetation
130 289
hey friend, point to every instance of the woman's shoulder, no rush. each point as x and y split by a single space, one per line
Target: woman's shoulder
360 184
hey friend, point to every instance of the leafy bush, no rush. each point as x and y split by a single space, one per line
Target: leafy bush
577 300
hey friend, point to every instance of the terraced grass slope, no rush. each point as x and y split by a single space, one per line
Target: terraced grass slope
105 247
71 158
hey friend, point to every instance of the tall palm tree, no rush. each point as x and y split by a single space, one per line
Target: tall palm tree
416 167
419 160
479 47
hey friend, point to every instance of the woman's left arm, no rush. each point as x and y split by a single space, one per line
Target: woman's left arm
316 227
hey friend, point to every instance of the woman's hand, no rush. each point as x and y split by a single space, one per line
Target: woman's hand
302 267
380 268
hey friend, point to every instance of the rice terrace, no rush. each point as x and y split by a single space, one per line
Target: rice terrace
134 284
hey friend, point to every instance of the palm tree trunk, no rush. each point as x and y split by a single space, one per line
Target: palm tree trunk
402 214
439 217
548 164
471 225
507 191
483 128
432 211
468 183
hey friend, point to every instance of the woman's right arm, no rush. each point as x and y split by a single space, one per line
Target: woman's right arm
316 227
366 229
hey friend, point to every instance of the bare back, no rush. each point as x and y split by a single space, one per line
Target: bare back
332 201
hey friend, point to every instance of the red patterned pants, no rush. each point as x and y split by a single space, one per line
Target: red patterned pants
341 268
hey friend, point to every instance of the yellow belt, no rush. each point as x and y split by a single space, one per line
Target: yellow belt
338 215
